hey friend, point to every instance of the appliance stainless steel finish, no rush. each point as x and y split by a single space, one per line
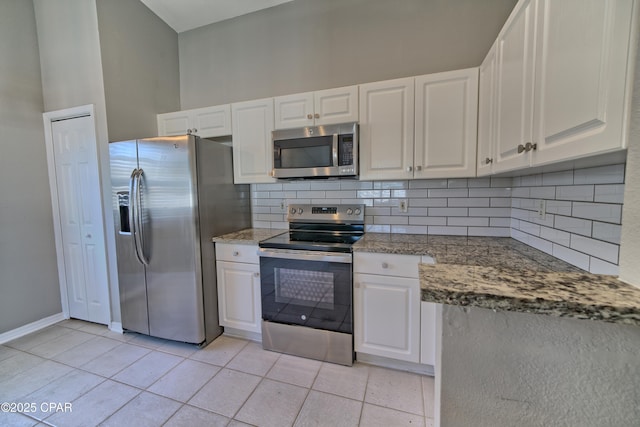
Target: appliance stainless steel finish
170 196
316 152
307 285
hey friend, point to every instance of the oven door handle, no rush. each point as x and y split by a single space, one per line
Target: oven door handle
306 255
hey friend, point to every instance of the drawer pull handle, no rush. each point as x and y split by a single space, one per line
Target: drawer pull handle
385 265
236 253
256 274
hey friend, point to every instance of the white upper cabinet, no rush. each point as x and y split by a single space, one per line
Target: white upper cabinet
252 151
562 86
386 129
486 113
514 96
582 78
446 124
205 122
323 107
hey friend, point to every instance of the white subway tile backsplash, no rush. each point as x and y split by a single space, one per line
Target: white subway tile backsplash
428 183
476 202
453 192
468 221
576 258
543 192
390 185
582 193
450 231
613 193
573 225
607 232
448 211
489 231
427 220
429 203
598 211
559 207
556 236
557 178
613 174
457 183
581 225
490 192
599 249
599 266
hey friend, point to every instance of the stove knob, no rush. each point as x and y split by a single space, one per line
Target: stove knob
293 211
300 211
357 211
349 211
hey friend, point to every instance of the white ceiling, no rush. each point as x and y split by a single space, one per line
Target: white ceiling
184 15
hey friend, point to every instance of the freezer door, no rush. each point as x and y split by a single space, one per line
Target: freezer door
171 239
131 274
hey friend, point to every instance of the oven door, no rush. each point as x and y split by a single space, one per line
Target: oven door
307 288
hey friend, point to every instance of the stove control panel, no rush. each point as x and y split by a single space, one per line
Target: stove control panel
326 213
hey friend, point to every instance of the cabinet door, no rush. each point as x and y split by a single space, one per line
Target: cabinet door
387 316
239 295
170 124
338 105
446 124
428 333
581 79
516 45
486 113
386 129
212 121
293 111
252 124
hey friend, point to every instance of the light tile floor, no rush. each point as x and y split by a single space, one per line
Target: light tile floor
112 379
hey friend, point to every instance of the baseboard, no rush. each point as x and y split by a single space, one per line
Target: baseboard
399 365
116 327
31 327
238 333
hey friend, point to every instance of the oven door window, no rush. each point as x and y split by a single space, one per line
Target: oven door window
316 294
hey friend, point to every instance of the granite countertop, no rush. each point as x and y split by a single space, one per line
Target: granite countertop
501 273
248 236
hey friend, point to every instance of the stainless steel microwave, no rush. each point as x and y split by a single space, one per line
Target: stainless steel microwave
316 152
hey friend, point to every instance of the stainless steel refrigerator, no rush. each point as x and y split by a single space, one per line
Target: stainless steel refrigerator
171 195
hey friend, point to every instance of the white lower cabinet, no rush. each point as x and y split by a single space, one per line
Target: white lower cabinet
238 287
387 308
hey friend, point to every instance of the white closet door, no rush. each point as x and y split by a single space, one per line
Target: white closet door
81 219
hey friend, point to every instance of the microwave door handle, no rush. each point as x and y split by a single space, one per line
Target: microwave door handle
335 150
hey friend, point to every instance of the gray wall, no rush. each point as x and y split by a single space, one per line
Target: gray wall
29 278
518 369
140 67
309 44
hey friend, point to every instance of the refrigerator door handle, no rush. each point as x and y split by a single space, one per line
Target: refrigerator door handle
138 236
132 210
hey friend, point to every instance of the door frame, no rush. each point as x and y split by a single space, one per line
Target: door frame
49 117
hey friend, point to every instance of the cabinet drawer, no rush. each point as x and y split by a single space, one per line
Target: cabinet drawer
237 253
386 264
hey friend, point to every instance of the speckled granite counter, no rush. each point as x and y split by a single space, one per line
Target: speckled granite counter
248 236
504 274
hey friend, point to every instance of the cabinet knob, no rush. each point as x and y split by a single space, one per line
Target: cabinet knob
317 116
520 148
409 168
488 161
195 130
256 274
385 265
309 116
236 253
88 236
530 146
189 131
418 168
